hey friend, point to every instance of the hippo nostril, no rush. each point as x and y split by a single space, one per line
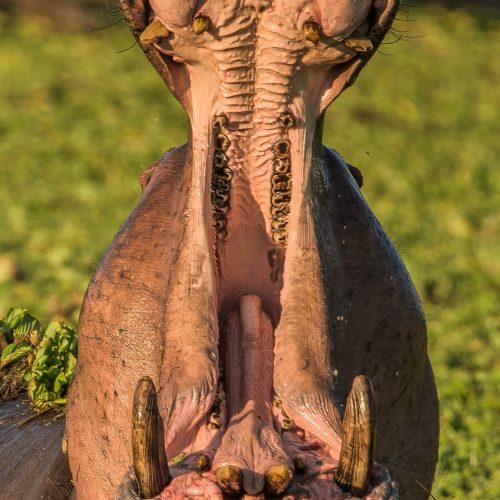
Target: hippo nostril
229 479
200 24
311 32
278 478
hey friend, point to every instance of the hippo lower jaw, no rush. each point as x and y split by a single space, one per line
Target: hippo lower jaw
258 438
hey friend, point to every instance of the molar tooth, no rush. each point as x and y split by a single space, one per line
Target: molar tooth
154 32
358 443
286 119
359 42
220 121
148 448
222 142
229 479
201 24
311 32
282 148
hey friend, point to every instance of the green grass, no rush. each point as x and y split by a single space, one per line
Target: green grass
79 122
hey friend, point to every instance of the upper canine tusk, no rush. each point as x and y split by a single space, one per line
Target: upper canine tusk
358 42
154 32
148 447
311 32
358 443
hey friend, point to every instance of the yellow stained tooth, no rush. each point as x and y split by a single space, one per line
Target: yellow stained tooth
154 32
148 445
358 443
278 478
203 463
200 24
359 42
229 479
311 32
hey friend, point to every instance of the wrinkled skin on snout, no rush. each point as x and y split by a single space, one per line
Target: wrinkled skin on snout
251 327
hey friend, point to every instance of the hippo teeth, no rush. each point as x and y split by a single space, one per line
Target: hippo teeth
148 449
154 32
356 455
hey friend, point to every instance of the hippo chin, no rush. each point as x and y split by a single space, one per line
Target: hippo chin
251 325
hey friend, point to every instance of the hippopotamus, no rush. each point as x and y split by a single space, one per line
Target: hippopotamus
251 330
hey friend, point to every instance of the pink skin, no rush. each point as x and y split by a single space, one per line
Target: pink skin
291 286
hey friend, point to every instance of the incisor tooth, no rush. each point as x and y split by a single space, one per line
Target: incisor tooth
278 478
154 32
311 32
359 42
200 24
229 479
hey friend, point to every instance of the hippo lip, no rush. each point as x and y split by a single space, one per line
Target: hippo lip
237 285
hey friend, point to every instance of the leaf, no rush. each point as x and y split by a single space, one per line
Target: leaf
52 356
64 345
15 355
40 359
25 327
14 317
8 350
60 383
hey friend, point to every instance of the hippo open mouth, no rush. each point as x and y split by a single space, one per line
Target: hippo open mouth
252 285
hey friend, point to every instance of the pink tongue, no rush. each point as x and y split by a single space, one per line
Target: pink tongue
248 358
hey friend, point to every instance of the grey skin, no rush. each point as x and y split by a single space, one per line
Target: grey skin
384 336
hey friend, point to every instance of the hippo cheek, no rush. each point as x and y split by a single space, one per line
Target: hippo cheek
249 279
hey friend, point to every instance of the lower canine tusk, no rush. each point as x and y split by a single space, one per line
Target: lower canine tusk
356 454
148 448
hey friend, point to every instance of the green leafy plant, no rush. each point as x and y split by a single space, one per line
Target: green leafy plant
49 354
53 367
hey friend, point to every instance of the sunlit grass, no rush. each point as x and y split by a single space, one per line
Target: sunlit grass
79 122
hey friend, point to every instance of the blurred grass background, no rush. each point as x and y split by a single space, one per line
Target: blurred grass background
80 120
